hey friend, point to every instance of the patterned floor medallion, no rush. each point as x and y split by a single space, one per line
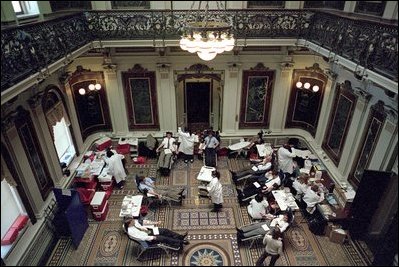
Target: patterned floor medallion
206 255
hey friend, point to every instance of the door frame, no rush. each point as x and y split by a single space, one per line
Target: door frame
202 73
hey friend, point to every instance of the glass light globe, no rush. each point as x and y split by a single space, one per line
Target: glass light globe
183 43
206 56
91 87
97 86
306 85
229 44
315 88
298 85
82 91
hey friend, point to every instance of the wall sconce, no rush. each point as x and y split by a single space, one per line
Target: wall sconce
315 88
91 87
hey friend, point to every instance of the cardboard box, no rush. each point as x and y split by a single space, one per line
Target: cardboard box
338 236
331 227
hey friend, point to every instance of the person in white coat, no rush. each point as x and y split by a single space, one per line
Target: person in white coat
257 208
286 155
313 196
186 147
215 190
115 167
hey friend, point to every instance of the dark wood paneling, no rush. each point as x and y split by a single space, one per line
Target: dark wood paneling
34 153
92 108
257 86
370 138
141 98
305 105
339 123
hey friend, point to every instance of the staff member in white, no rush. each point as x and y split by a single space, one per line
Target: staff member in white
285 155
115 167
168 144
274 248
215 191
257 207
186 147
312 197
210 149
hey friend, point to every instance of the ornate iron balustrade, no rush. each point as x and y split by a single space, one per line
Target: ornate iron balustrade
370 44
28 49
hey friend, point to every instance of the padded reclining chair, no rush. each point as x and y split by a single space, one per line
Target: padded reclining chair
144 246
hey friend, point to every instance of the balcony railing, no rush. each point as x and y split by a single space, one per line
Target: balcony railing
28 49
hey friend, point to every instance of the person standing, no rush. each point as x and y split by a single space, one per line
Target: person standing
186 147
286 155
215 190
211 144
115 167
274 248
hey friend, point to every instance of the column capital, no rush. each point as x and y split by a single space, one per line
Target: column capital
287 65
36 100
234 66
110 68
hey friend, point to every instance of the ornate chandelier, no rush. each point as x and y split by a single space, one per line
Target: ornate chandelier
208 37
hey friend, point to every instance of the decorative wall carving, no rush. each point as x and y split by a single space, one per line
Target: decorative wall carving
141 98
257 86
339 122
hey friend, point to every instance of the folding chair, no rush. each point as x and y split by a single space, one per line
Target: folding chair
144 246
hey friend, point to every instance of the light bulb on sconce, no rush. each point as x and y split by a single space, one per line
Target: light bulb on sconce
306 85
315 88
82 91
92 87
97 86
298 84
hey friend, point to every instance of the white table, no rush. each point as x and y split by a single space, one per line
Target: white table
285 200
131 206
238 146
264 150
205 174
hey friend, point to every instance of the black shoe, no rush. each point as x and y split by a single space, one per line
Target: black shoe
185 235
214 210
191 160
185 161
239 230
186 242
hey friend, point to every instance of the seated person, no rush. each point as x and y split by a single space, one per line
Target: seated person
139 232
300 186
312 197
147 184
256 140
273 183
257 207
167 149
261 169
266 177
281 221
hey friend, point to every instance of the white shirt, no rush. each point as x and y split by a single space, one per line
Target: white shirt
312 198
299 187
257 209
263 167
115 167
282 224
169 143
285 159
211 142
215 190
186 142
138 234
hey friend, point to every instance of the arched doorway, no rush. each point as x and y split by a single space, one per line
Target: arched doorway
199 98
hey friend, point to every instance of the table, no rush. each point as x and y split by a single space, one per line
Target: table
284 200
333 213
264 150
205 174
238 146
131 206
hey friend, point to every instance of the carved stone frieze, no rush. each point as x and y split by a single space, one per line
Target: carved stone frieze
260 66
285 66
198 68
137 68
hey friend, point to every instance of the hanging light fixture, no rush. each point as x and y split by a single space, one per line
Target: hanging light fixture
91 87
315 88
206 36
307 85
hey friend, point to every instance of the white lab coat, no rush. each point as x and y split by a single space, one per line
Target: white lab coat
115 167
285 160
186 142
257 209
312 198
215 190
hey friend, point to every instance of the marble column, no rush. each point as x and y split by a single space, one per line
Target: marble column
280 97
